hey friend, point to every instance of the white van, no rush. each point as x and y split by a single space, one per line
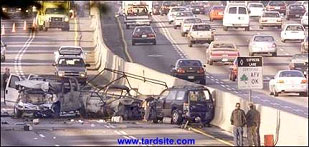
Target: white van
236 16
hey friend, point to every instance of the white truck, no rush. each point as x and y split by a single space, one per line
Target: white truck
137 13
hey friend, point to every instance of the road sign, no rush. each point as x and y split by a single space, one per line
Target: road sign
250 73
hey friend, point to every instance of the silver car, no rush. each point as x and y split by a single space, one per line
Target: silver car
262 44
3 50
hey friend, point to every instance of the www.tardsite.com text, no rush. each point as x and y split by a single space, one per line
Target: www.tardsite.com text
156 141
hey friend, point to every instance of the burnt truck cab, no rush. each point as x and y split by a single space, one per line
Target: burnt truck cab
183 103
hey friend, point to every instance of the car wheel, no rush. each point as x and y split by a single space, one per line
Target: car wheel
3 59
251 54
211 62
183 34
283 40
247 29
233 77
261 27
274 54
225 28
169 22
176 117
175 27
17 113
276 93
154 42
190 44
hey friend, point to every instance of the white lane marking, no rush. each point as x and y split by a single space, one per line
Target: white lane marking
132 137
217 82
222 85
235 91
169 37
117 132
264 100
233 88
112 126
154 55
123 132
212 79
54 137
41 135
217 79
57 145
35 138
126 137
221 82
227 85
228 88
274 103
207 77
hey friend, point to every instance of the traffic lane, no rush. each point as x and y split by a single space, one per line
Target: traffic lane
159 56
217 86
23 138
147 130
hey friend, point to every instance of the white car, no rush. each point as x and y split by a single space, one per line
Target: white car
3 50
187 22
256 9
236 16
270 19
304 20
180 16
69 50
288 81
293 32
305 3
262 44
200 33
172 12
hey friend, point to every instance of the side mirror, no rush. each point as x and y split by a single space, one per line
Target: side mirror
54 64
87 65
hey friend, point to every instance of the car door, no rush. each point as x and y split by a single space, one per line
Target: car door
11 93
169 101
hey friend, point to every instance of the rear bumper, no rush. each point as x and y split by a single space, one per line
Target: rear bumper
295 15
292 88
143 40
270 24
222 59
188 77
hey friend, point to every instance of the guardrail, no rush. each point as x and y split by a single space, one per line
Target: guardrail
287 128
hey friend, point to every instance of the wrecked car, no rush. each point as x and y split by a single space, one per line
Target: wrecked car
44 97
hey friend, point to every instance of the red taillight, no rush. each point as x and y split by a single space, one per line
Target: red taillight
181 70
151 35
135 35
201 70
304 81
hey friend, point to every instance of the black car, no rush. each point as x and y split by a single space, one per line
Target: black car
156 9
191 70
197 9
300 62
183 103
143 34
295 11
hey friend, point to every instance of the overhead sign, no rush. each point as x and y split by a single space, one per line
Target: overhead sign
250 72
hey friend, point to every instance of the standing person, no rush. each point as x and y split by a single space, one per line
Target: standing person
238 120
252 118
5 77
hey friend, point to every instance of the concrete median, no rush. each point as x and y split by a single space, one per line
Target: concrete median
287 128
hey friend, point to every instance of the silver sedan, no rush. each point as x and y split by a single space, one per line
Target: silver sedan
262 44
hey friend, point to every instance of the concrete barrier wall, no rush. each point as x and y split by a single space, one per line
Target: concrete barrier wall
291 130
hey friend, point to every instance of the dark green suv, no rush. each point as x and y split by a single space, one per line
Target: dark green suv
183 103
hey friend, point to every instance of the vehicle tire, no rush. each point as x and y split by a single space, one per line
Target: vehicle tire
190 44
211 62
274 54
183 34
203 81
133 42
154 42
276 93
176 117
225 28
17 113
175 27
170 22
283 40
247 29
45 29
127 27
251 54
40 28
303 94
82 112
3 59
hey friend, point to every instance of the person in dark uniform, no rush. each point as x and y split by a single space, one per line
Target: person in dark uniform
5 77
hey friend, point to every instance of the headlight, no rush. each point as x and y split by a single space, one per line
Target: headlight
60 73
34 9
19 9
82 74
4 9
66 19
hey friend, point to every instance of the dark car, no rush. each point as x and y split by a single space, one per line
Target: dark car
182 104
156 9
295 11
165 7
279 6
299 62
191 70
197 9
144 34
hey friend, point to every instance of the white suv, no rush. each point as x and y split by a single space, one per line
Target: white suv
236 16
187 22
293 32
172 13
200 34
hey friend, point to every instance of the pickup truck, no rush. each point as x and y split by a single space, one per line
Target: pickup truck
137 15
200 33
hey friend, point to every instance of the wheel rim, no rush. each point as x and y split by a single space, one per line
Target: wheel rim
175 117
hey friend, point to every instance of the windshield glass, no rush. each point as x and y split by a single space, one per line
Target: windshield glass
218 8
295 28
198 95
263 39
77 62
55 11
201 27
193 20
296 7
291 74
271 15
143 30
189 63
